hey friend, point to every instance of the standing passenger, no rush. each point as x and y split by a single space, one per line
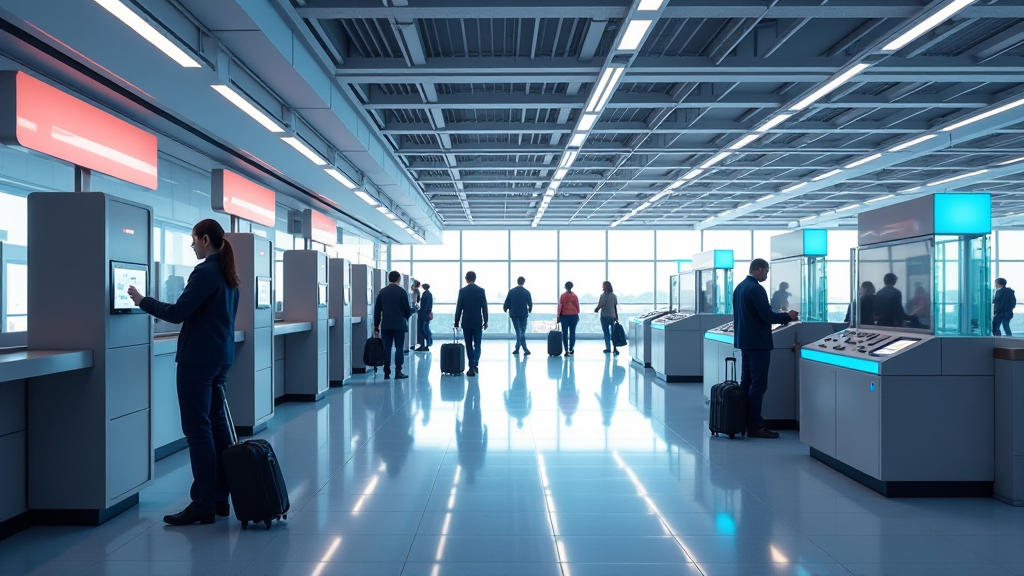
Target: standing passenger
889 309
608 306
1002 307
472 301
519 305
414 295
425 315
391 314
206 350
569 317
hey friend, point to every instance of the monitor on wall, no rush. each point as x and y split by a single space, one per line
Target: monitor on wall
264 292
123 275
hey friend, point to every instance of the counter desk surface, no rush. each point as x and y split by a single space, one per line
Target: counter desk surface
21 364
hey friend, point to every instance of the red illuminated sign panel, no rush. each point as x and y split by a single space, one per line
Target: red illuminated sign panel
238 196
319 228
39 117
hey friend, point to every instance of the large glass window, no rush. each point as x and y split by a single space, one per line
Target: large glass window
541 280
678 244
485 245
492 277
581 245
534 245
631 245
586 278
16 297
444 278
633 282
447 250
14 219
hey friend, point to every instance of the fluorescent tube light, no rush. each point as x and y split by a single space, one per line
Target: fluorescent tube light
826 175
863 161
715 159
927 24
676 184
366 197
643 206
772 123
830 86
383 210
560 173
768 197
984 115
337 175
605 88
826 213
693 174
914 189
913 142
661 195
879 199
649 5
148 32
568 159
577 140
587 122
306 151
747 205
247 107
725 213
845 208
808 218
794 187
1014 161
634 33
744 141
955 178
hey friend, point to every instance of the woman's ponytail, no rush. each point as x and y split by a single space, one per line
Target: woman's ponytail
213 229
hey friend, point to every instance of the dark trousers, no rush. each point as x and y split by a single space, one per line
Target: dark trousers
606 328
395 338
519 324
206 428
569 322
1003 321
423 336
473 337
754 381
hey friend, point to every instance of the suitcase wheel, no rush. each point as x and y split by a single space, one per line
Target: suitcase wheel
731 436
267 522
245 524
284 516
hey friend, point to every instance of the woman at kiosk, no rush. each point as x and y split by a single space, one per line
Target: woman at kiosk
206 350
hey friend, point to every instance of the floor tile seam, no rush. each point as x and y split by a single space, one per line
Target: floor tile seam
547 509
423 512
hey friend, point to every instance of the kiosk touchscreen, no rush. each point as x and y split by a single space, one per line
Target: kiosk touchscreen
321 289
264 292
895 346
123 275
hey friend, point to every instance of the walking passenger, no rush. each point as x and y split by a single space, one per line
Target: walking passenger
473 302
425 315
608 306
1002 307
519 305
391 314
569 317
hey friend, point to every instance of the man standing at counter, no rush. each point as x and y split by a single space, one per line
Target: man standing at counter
391 315
752 323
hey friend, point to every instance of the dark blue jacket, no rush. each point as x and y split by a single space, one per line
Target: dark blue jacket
1004 302
206 311
426 304
392 309
753 316
472 302
519 303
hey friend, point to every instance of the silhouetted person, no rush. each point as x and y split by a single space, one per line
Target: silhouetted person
518 400
391 314
889 303
780 299
519 305
471 433
865 305
1003 304
473 303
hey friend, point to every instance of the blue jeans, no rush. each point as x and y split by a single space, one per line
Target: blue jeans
1003 321
519 324
206 429
754 381
423 336
569 322
473 337
606 328
394 338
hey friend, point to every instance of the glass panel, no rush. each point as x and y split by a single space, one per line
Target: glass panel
1010 271
581 245
814 302
687 292
444 318
677 244
947 286
633 282
907 267
444 279
1011 245
14 218
401 252
278 280
492 277
665 270
763 242
979 266
179 261
485 245
541 280
542 320
631 245
838 289
706 292
17 289
840 242
784 291
534 245
157 237
447 250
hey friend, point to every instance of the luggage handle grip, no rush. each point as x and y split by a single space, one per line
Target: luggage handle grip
730 360
455 334
227 413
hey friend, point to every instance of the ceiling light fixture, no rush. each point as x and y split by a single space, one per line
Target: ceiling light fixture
634 34
568 159
927 24
845 208
1014 161
605 88
148 32
747 205
794 187
560 173
744 141
587 122
715 159
247 107
830 86
984 115
768 197
366 197
772 123
649 5
661 194
863 161
305 150
337 175
879 199
826 175
913 142
955 178
692 174
907 190
578 139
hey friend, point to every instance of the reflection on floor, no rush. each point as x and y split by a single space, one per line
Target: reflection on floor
563 466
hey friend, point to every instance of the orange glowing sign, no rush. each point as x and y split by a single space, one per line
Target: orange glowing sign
238 196
39 117
319 228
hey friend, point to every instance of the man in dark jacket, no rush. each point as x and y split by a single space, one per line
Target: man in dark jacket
519 305
752 325
1002 307
425 315
473 302
391 315
889 309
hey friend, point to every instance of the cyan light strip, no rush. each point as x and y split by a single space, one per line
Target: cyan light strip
658 326
724 259
858 364
725 338
815 242
963 213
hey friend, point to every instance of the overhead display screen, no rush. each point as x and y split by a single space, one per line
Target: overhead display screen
895 346
123 275
264 291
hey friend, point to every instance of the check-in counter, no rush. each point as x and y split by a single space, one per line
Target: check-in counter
282 329
339 361
306 301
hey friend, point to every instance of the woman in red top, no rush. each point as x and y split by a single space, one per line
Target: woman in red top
569 317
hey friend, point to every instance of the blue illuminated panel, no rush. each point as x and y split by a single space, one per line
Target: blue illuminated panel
815 243
963 213
858 364
725 338
658 326
724 259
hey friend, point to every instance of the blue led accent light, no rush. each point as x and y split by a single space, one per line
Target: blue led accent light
724 259
815 242
724 524
658 326
679 265
725 338
858 364
963 213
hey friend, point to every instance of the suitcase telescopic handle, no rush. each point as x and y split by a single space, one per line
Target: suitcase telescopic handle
730 361
227 413
455 334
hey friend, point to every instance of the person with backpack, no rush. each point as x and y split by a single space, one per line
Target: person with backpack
1003 304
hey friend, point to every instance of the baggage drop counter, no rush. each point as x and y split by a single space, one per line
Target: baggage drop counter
640 336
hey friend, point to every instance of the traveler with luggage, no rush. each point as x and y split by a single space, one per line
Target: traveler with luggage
206 350
473 303
1003 304
568 317
608 306
752 321
391 314
424 316
519 305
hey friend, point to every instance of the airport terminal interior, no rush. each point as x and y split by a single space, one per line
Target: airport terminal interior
868 151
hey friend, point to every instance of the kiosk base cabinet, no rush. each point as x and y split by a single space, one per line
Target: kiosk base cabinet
1009 423
13 455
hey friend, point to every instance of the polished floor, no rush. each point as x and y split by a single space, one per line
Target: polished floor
578 466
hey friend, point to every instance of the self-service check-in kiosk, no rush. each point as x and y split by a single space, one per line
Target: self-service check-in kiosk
704 301
305 301
90 447
905 404
339 306
362 313
799 282
640 336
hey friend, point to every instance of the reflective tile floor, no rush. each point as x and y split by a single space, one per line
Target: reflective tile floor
577 466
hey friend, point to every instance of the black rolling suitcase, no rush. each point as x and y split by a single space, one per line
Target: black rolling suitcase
555 343
258 491
728 405
453 357
373 353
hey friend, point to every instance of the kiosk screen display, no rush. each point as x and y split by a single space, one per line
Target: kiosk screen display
895 346
123 275
321 289
264 292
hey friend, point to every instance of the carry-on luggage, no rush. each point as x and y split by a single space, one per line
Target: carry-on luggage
373 353
258 491
453 357
728 413
618 335
555 343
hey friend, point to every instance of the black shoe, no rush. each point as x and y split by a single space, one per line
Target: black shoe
607 351
526 352
190 516
471 372
762 433
616 352
400 376
387 375
572 352
516 352
223 509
